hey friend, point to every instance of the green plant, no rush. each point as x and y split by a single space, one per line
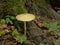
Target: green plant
15 32
12 20
52 26
11 17
58 33
57 42
2 21
45 24
8 19
20 38
0 33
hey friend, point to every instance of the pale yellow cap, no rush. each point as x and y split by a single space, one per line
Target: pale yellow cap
25 17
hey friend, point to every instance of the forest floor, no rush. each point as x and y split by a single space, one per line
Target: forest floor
7 39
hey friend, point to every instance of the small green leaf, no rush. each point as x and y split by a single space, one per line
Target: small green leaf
8 21
2 21
21 38
45 24
0 33
15 32
57 42
52 27
11 22
58 34
12 17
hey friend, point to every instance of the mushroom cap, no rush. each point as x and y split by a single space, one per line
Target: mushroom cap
25 17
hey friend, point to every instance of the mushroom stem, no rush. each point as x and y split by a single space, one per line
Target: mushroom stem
25 28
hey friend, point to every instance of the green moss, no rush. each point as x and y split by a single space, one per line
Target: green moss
13 7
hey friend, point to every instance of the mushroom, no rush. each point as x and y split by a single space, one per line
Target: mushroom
25 18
